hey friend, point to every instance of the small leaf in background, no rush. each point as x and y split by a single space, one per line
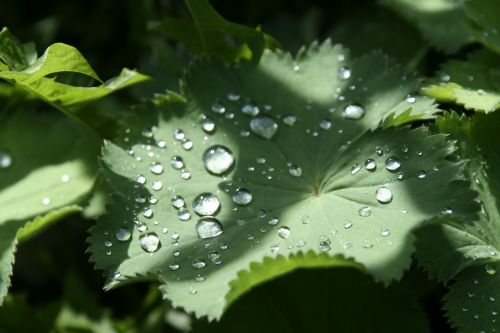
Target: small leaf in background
41 76
468 250
443 23
279 158
43 173
475 83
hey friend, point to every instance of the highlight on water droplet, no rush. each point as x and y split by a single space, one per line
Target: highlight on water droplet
344 73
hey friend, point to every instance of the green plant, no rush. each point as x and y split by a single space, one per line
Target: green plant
346 168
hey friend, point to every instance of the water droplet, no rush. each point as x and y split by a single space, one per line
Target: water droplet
355 168
365 211
344 73
384 195
175 236
177 202
392 164
5 160
46 201
149 242
233 97
208 227
108 243
185 174
250 109
156 168
207 124
447 211
273 221
157 185
199 263
123 235
410 99
65 178
142 227
490 269
187 144
353 111
242 197
215 257
177 162
306 219
206 204
370 165
421 174
284 232
218 107
161 144
264 126
148 213
290 120
348 225
199 278
301 243
324 244
275 248
325 124
183 214
295 170
174 266
164 230
385 232
140 179
218 159
179 135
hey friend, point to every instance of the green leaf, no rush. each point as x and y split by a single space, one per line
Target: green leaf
40 77
211 33
442 22
473 83
320 203
486 25
47 169
468 249
329 303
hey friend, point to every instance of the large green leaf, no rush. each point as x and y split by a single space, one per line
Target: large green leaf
468 249
442 22
40 77
310 188
475 83
47 165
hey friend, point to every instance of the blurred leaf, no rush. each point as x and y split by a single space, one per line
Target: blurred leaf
475 83
329 303
41 78
17 315
486 22
442 22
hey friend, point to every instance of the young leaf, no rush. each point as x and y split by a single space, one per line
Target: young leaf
468 249
442 22
39 76
296 161
473 83
39 176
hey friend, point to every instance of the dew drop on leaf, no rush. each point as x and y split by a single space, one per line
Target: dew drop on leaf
218 107
148 213
325 124
207 124
206 204
490 269
233 97
174 266
46 201
177 162
365 211
295 170
421 174
140 180
264 126
199 263
149 242
284 232
157 185
123 235
383 195
324 244
355 168
65 178
447 211
410 99
242 197
161 144
5 160
208 227
250 109
185 174
187 144
183 214
178 202
179 135
392 164
156 169
370 165
218 159
273 221
290 120
344 73
353 111
385 232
